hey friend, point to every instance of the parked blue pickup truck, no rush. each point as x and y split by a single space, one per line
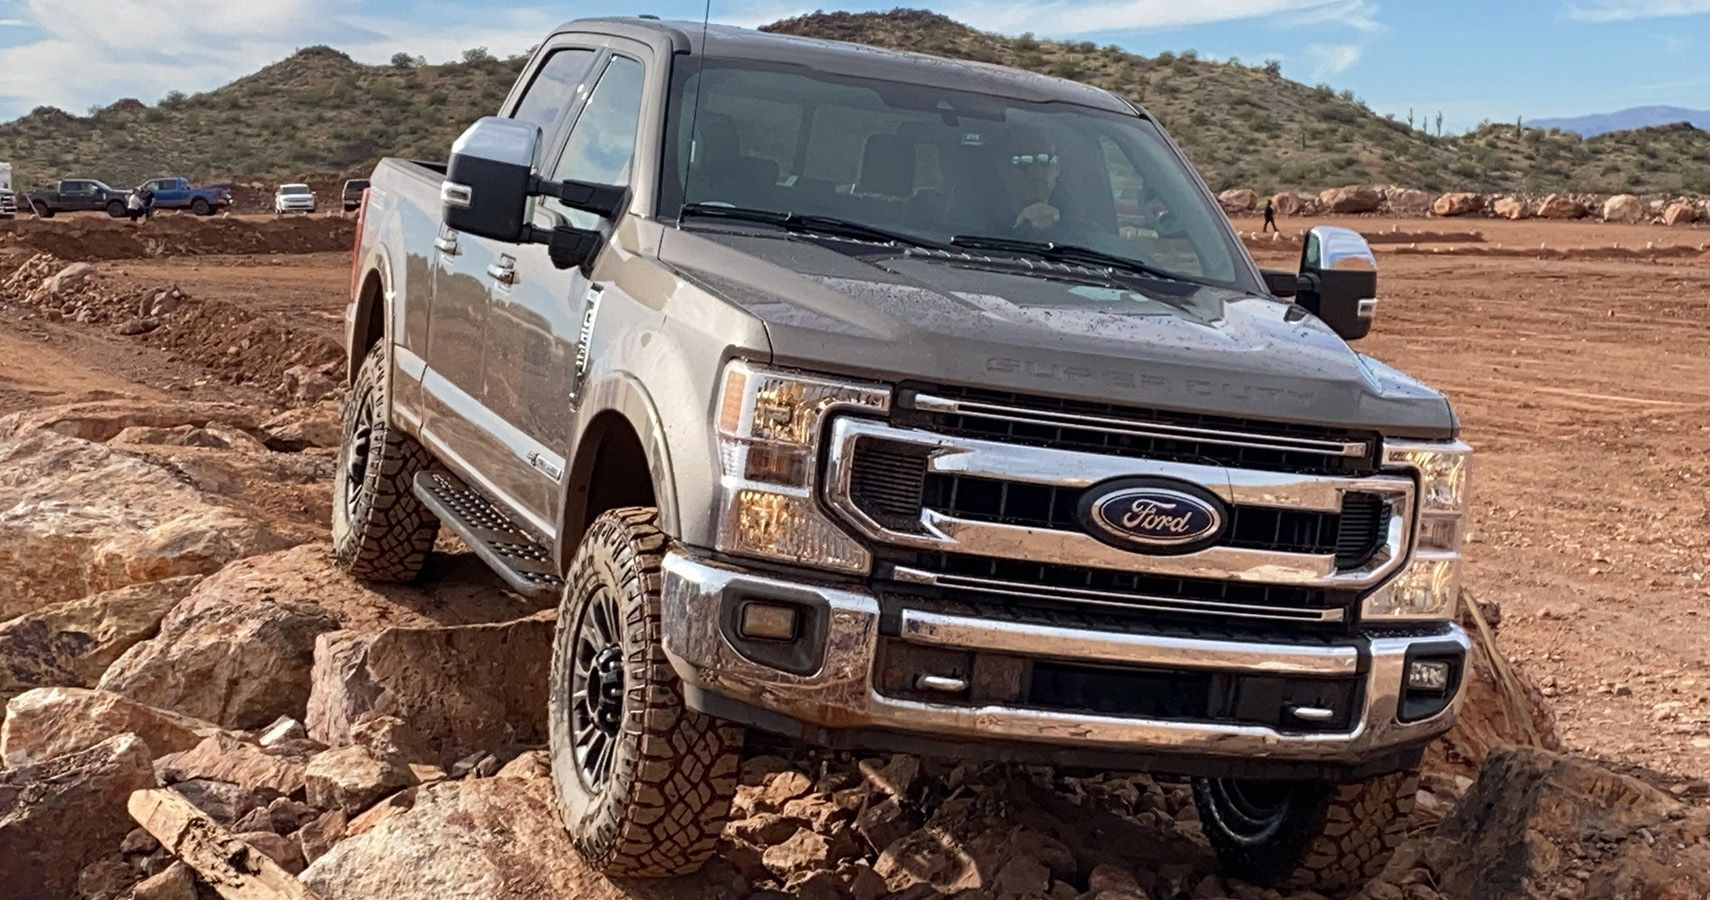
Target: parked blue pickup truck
176 193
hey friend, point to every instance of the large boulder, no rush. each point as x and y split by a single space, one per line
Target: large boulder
1680 212
1238 200
463 688
1458 203
1538 823
1561 206
1623 208
102 420
1512 207
72 643
49 722
1287 203
497 838
1350 200
241 665
77 518
1407 201
58 816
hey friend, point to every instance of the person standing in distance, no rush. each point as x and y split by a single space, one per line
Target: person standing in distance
1270 217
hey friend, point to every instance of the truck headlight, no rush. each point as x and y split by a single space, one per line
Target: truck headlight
769 423
1428 588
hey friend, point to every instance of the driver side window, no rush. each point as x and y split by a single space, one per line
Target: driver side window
602 142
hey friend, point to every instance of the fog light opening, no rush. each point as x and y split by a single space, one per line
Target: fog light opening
1429 675
768 622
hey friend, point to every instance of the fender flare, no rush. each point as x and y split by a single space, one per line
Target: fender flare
623 394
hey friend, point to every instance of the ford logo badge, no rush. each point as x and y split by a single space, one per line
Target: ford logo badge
1154 515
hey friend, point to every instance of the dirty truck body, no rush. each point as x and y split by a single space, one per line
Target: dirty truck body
902 470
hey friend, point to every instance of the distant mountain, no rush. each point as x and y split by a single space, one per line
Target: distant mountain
1627 120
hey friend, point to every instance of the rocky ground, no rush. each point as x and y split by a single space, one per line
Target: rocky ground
171 617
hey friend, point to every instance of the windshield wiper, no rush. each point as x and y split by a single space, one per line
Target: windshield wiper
800 222
1056 252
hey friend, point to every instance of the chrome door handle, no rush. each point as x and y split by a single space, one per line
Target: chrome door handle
446 245
504 271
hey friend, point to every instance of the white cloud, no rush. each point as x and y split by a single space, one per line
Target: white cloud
146 48
1601 11
1063 17
1333 59
11 23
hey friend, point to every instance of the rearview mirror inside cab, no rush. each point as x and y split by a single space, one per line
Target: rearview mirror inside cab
491 178
1338 280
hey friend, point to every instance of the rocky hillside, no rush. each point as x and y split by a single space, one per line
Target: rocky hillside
316 112
1243 123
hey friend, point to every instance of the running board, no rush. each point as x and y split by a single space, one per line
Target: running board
519 559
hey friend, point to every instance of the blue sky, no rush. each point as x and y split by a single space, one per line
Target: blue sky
1471 59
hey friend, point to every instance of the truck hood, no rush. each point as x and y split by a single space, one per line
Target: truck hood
921 316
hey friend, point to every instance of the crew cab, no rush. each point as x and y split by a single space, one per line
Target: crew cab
176 193
882 401
352 193
79 195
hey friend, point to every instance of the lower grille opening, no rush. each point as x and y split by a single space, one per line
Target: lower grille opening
1190 696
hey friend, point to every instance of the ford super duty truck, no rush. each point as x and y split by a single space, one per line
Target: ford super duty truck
849 396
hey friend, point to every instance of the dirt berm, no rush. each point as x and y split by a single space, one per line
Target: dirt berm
94 237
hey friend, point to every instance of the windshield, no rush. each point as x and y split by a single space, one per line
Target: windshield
294 190
935 164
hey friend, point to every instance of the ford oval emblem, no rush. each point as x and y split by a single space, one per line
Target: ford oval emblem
1154 515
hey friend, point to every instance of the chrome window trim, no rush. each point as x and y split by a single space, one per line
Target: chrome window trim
1079 469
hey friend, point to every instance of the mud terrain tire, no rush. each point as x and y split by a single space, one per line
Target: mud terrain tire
380 531
200 207
649 794
1320 836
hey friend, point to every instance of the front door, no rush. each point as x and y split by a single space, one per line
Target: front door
535 336
459 421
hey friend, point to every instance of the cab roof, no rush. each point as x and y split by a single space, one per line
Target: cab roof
855 60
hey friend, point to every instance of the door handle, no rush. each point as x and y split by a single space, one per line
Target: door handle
446 245
504 271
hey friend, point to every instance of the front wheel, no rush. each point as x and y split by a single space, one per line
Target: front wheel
116 210
643 782
42 211
380 530
200 207
1311 835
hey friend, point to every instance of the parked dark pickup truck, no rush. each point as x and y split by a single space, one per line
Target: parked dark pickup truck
176 193
79 195
848 395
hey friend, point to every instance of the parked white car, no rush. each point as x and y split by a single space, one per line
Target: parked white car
294 198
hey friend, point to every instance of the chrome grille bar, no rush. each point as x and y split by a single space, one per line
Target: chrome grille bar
1138 428
1117 600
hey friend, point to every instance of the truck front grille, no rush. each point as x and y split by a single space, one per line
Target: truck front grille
8 204
1000 521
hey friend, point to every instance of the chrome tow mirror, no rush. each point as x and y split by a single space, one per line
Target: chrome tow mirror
1338 280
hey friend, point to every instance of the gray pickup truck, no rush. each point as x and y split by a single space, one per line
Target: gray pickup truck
881 401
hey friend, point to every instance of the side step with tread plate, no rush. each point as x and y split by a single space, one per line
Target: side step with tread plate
522 562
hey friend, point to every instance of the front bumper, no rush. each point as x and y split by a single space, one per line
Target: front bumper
837 701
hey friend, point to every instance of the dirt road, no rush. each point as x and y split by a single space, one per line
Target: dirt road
1583 383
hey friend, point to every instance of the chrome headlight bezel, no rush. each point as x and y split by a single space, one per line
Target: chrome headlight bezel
768 423
1427 588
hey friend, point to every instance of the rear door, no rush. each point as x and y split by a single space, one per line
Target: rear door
458 423
540 313
77 196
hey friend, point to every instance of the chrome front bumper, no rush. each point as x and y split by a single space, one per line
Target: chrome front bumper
841 694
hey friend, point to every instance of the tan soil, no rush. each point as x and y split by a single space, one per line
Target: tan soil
1583 384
